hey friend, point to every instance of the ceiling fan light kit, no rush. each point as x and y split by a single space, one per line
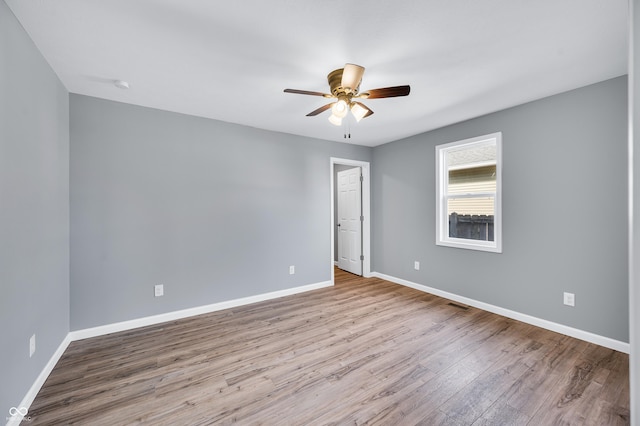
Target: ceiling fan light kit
345 87
335 120
359 111
339 108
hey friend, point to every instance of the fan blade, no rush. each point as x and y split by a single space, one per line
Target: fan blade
386 92
307 92
352 76
321 109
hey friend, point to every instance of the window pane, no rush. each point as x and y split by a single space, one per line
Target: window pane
471 156
471 218
473 179
483 205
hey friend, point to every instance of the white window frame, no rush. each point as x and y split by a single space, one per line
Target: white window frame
442 181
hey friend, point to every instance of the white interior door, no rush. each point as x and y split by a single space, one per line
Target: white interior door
350 220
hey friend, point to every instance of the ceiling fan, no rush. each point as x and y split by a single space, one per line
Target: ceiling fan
345 88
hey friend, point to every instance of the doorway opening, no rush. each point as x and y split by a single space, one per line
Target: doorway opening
336 165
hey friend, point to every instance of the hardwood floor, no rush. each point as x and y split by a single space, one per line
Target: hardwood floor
363 352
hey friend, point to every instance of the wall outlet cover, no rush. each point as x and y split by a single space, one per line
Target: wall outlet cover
569 299
158 290
416 265
292 270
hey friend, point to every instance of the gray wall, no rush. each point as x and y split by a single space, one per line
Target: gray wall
564 178
634 152
214 211
34 211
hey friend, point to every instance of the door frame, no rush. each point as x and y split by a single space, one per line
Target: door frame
366 212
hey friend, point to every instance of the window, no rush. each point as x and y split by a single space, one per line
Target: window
468 191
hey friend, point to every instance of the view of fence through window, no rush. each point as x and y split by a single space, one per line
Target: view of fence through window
471 192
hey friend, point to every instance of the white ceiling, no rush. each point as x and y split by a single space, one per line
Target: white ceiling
231 60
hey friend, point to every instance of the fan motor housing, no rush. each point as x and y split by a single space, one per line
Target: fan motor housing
335 83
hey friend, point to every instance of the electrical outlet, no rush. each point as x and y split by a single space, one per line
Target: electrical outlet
32 345
292 270
416 265
569 299
158 290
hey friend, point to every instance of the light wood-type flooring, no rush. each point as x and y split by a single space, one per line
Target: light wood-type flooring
366 351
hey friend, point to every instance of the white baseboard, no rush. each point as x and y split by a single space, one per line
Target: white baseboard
35 387
184 313
142 322
538 322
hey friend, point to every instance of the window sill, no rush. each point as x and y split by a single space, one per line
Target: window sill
478 245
